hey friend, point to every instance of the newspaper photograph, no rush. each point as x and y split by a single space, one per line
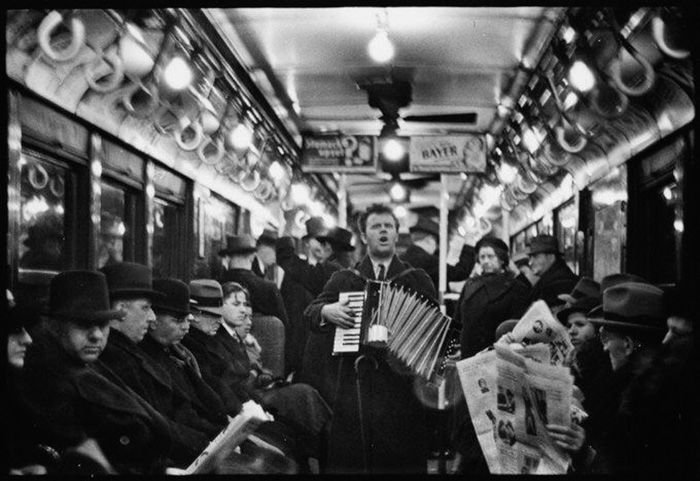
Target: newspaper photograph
539 325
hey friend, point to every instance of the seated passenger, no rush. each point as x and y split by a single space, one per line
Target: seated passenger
296 403
71 396
131 294
631 324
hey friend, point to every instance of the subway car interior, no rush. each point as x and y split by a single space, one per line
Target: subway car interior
161 137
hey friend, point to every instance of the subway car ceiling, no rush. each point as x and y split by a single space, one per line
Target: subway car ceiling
559 99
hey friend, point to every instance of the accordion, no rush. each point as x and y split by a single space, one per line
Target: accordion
407 324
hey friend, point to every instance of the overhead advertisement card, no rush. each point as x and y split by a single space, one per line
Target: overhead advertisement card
339 153
448 153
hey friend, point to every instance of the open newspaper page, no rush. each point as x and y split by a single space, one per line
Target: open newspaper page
238 429
539 325
477 375
530 395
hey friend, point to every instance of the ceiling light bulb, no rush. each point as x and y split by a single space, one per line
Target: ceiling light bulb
397 192
177 74
490 194
316 208
300 193
506 173
581 76
392 149
380 47
241 137
400 211
276 172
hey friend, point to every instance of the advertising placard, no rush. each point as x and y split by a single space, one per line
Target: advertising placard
339 153
448 153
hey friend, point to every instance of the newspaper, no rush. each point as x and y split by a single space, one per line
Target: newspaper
238 429
511 395
539 325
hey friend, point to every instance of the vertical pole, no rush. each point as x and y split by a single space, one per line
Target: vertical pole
342 202
444 197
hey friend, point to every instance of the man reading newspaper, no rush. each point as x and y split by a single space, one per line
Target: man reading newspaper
520 397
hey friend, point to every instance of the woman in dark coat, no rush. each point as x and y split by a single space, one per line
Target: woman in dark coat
490 298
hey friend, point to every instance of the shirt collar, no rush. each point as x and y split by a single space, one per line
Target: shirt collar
229 329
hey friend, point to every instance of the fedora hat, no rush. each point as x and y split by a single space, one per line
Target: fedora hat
582 304
543 243
608 282
339 237
426 225
315 227
585 287
635 305
176 296
81 296
240 244
206 295
129 280
268 236
22 316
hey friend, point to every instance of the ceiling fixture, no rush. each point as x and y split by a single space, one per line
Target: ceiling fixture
241 136
398 192
581 76
400 211
380 48
178 74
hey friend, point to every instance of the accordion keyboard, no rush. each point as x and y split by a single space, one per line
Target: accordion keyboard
347 341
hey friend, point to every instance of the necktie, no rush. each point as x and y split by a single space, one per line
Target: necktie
380 276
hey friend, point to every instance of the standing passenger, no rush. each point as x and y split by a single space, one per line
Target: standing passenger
379 425
555 276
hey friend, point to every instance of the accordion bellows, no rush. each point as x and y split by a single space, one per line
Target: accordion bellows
417 329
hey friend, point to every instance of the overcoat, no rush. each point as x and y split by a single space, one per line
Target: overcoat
388 432
558 279
69 401
485 302
305 282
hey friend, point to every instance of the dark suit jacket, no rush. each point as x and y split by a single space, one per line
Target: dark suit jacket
395 424
419 258
558 279
69 401
188 381
265 298
215 368
191 434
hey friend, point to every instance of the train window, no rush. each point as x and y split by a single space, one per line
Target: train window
531 231
218 219
42 236
519 243
168 253
120 220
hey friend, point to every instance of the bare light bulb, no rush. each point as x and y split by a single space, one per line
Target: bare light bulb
581 77
300 193
380 48
506 173
400 211
393 150
397 192
241 137
177 74
276 172
328 221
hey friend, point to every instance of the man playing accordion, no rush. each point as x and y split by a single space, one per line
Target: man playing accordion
379 425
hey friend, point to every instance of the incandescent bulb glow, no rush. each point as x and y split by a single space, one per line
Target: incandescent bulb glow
177 73
506 173
393 150
300 193
276 172
397 192
581 77
241 136
328 221
400 211
380 48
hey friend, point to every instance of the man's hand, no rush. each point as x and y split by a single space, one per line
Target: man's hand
338 313
570 438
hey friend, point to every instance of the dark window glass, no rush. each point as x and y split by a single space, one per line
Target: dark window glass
42 236
168 255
